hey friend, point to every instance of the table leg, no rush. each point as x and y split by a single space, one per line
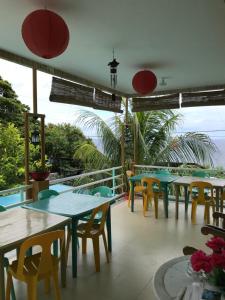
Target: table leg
186 199
177 187
63 262
74 247
132 196
109 232
2 277
166 200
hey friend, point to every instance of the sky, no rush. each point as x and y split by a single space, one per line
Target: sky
194 119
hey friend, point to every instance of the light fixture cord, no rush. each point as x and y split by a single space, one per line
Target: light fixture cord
45 4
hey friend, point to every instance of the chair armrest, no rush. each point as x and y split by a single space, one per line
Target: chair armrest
218 215
216 231
187 250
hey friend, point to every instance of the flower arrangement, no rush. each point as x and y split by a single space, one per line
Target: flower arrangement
39 172
37 166
212 265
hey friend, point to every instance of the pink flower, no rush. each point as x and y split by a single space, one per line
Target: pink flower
218 260
216 244
201 262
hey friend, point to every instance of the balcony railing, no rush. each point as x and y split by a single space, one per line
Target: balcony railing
113 177
182 171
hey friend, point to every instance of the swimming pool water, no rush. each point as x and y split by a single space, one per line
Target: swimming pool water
16 198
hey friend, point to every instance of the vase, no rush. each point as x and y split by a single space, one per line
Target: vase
217 278
39 175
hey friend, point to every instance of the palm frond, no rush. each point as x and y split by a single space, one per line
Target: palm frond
90 155
188 148
110 142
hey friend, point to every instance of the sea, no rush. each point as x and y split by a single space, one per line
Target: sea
218 157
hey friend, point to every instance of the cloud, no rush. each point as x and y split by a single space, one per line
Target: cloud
21 79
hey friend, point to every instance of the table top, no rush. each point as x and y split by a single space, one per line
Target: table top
162 177
171 278
17 224
68 204
186 180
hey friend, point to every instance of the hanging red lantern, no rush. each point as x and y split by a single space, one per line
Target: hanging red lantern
45 33
144 82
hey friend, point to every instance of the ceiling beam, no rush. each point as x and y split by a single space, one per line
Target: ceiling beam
55 72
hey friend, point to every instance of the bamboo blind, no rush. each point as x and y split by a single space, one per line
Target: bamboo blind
171 101
64 91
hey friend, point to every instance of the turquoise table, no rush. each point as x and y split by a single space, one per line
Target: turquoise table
165 181
74 206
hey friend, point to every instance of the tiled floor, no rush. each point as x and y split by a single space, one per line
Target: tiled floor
140 246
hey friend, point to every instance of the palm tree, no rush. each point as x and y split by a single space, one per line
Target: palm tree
155 142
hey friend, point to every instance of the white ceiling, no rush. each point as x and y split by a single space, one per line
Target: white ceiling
183 40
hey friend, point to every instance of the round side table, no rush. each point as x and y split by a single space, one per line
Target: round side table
171 278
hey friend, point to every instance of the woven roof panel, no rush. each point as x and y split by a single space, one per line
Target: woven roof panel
64 91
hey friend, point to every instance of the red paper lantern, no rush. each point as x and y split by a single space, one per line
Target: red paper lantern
45 33
144 82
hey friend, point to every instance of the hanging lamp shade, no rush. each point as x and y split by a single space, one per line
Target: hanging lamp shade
144 82
45 33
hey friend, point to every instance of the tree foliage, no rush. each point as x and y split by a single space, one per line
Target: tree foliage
154 139
11 156
62 141
11 109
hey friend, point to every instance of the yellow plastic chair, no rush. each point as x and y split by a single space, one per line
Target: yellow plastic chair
93 231
137 188
201 193
152 192
34 268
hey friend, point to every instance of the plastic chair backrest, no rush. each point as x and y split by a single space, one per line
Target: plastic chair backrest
104 191
203 189
2 208
151 184
163 172
45 242
100 210
201 174
45 194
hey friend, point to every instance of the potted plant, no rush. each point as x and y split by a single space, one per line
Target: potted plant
39 172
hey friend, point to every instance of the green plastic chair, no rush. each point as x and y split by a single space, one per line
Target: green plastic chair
45 194
163 172
103 191
6 262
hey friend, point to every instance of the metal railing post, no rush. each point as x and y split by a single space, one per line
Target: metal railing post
114 180
21 195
